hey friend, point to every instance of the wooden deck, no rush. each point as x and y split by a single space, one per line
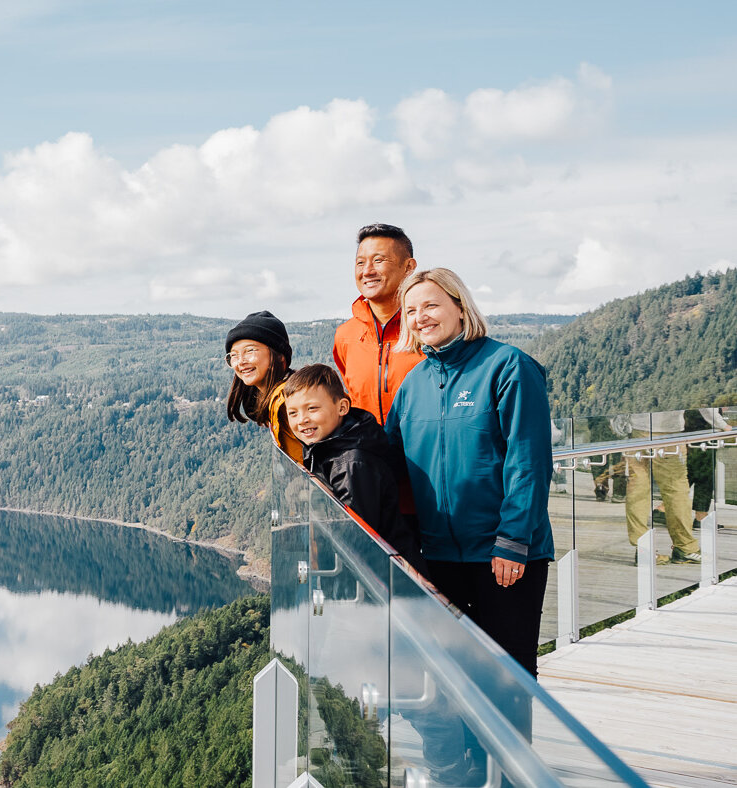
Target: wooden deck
660 689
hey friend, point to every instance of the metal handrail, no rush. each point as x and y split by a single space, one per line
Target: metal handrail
635 444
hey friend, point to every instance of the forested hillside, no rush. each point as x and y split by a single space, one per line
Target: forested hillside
176 710
123 417
667 348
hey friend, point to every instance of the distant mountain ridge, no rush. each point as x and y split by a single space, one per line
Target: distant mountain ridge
671 347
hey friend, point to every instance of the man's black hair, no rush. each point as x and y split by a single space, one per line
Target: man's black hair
379 230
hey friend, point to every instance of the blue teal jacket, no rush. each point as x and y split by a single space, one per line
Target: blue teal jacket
473 422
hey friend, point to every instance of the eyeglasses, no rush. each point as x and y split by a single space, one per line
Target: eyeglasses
236 358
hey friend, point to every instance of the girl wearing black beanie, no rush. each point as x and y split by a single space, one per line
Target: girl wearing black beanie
258 351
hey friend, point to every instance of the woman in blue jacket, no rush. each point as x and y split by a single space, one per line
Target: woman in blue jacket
473 422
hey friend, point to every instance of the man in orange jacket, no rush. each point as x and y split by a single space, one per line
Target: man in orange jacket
364 345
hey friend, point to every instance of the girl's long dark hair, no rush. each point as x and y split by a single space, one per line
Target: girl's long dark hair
247 402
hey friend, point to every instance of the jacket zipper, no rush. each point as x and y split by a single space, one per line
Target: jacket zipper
386 368
380 340
446 501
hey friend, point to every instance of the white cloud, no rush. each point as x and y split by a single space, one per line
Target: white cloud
591 76
596 266
426 122
524 190
68 210
76 625
433 125
534 112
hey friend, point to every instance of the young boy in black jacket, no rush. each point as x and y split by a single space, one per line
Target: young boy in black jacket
349 451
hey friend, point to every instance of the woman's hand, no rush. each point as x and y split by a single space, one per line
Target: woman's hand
507 572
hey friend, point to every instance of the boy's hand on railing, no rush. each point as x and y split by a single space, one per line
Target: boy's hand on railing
507 572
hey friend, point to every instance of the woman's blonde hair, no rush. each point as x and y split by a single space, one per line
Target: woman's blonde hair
474 324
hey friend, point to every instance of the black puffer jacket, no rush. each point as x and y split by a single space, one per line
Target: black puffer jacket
356 462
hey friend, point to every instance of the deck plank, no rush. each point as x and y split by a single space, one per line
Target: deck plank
660 689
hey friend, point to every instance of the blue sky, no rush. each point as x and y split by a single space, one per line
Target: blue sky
556 156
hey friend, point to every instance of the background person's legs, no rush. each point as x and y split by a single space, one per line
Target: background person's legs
670 474
639 498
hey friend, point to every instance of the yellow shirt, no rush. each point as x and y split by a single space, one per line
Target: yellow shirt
283 436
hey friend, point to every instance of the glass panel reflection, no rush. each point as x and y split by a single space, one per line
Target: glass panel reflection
290 556
561 431
606 501
676 541
725 487
560 509
349 649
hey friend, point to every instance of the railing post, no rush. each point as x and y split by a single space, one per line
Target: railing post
567 599
275 709
720 482
646 597
709 571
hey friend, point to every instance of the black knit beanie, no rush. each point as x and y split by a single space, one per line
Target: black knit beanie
265 328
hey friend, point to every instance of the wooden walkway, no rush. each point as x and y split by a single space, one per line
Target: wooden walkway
660 689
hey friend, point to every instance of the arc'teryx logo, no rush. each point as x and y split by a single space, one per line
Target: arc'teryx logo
462 401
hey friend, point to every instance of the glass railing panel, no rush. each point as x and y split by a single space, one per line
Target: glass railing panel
464 713
560 511
610 428
605 544
290 556
561 433
670 510
349 649
725 488
675 423
603 536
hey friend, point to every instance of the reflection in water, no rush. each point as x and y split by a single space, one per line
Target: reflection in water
115 563
42 634
70 588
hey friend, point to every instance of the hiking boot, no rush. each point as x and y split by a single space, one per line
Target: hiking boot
681 557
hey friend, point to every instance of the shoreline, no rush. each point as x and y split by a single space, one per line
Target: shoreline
245 572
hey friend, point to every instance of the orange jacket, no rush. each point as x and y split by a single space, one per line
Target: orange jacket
279 427
364 354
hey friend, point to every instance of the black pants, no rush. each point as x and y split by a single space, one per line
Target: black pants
700 468
510 616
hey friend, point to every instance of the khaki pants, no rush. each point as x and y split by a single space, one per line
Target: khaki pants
670 474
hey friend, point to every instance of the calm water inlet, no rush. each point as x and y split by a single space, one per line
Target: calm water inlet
70 588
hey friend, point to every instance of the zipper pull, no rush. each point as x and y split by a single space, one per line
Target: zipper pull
386 368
